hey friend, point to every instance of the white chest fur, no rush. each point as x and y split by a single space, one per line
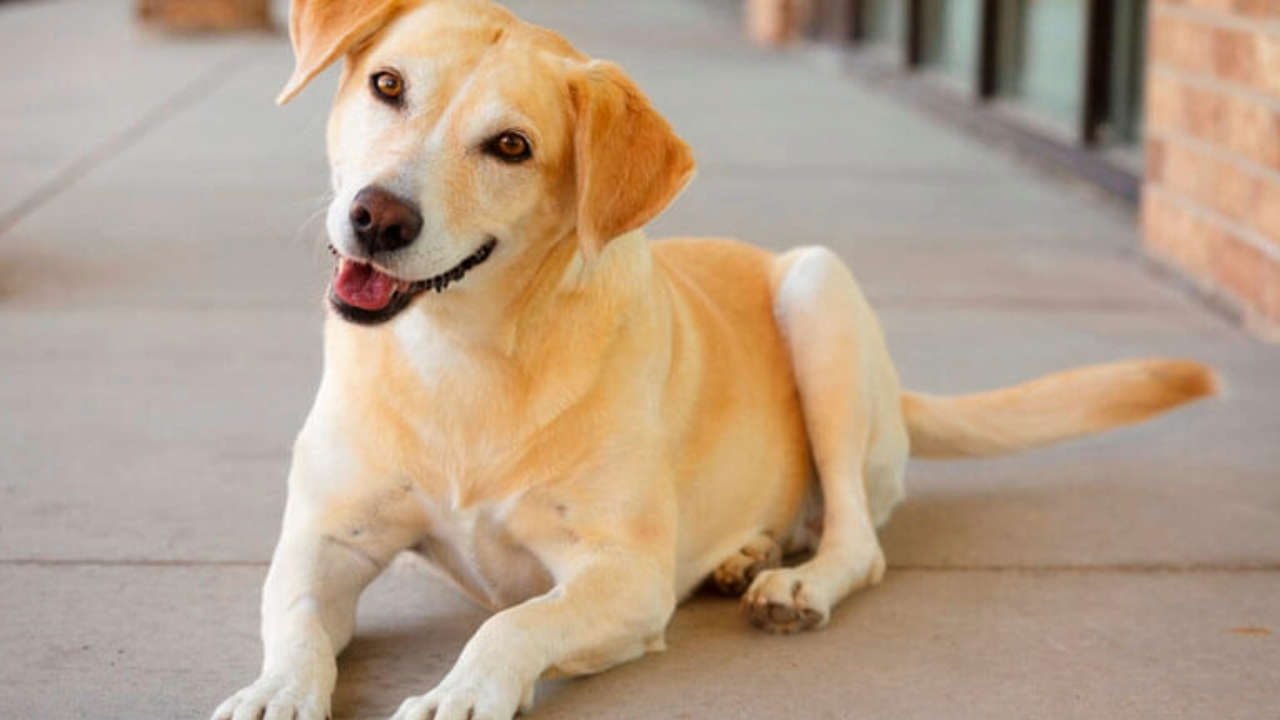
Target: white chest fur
472 547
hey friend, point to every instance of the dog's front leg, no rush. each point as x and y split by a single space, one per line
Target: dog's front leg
308 615
610 610
336 538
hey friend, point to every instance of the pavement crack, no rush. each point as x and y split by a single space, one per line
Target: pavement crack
1265 566
167 108
126 563
1022 303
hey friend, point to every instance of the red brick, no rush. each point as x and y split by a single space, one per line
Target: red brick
1233 191
1205 114
1268 69
1270 308
1216 6
1187 172
1251 130
776 22
1247 8
184 15
1266 216
1182 43
1271 291
1165 109
1153 155
1237 267
1175 233
1235 56
1248 59
1257 8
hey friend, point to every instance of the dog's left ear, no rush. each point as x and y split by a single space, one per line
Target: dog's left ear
630 164
324 29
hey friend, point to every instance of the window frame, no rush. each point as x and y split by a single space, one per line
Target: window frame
1080 147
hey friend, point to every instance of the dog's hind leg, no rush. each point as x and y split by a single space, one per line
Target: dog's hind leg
850 398
735 574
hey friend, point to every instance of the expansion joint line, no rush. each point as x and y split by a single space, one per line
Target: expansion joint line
64 179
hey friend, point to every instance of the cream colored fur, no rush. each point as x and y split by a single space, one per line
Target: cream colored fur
589 425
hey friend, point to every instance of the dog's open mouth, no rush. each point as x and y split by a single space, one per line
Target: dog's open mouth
364 294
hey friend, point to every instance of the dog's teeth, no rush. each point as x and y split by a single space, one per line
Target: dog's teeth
442 281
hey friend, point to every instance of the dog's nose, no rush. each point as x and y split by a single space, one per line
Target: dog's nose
383 222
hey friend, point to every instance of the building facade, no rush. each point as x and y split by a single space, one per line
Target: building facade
1173 104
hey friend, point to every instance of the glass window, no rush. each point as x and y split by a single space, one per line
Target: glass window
1041 57
885 20
1128 48
949 38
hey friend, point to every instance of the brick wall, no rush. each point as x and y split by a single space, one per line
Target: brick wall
204 15
1211 202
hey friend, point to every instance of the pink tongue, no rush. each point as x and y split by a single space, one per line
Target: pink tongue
363 286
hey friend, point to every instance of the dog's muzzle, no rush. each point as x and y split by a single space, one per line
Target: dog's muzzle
365 294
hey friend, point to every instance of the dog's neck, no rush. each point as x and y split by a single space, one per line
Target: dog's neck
619 262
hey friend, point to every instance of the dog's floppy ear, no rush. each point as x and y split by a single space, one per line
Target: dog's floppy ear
324 29
630 164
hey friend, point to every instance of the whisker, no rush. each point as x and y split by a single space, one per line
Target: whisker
304 232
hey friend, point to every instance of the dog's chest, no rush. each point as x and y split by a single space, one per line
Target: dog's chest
475 436
473 547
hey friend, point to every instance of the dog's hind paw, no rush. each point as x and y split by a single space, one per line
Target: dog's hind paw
780 601
735 574
789 600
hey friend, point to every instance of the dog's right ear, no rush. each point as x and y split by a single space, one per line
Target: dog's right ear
322 30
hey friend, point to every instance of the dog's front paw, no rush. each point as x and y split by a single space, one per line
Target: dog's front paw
462 695
280 697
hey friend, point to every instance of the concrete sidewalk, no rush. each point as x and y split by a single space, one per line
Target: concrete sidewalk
161 269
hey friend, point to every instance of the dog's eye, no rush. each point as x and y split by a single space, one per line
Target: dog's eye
510 147
387 85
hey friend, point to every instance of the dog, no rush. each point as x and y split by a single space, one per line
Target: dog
578 426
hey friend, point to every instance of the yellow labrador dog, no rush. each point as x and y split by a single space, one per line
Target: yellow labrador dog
578 426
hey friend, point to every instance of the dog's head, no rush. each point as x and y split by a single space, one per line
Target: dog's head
466 146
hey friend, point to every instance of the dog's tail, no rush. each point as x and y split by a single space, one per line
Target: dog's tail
1051 409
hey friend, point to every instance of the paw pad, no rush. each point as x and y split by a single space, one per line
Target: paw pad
780 606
